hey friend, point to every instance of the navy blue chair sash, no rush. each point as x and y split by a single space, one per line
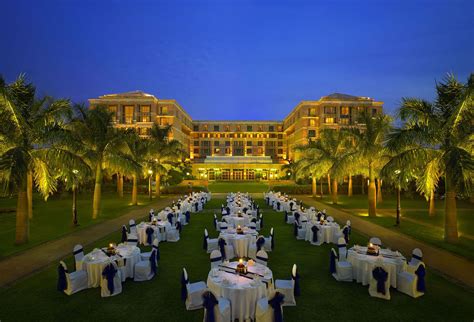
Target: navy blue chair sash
209 302
380 275
332 262
295 229
262 258
273 241
179 227
260 243
216 259
345 231
204 242
184 289
286 216
420 284
417 257
276 303
149 235
157 252
261 222
296 288
170 217
222 244
109 274
62 280
188 216
153 262
124 234
315 230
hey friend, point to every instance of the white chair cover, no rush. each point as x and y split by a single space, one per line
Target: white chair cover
117 281
286 287
216 258
76 281
78 252
262 257
195 292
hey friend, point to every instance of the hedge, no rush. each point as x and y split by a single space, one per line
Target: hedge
293 189
181 190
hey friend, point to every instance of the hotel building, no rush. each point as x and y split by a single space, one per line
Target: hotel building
237 150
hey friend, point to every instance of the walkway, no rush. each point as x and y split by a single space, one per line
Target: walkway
456 267
35 259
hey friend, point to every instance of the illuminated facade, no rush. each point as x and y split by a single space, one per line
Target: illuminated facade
237 150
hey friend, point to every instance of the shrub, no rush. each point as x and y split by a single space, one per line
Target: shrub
181 190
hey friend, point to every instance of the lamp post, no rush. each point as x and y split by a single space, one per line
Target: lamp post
74 198
150 172
397 173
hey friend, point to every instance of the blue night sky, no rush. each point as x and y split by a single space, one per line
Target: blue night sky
237 59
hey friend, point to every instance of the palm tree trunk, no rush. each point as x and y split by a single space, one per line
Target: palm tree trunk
432 210
379 190
157 185
371 197
313 186
134 190
349 186
321 184
329 184
74 205
97 191
334 191
450 214
29 193
362 185
22 223
120 185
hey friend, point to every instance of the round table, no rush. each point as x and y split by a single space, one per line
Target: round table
235 220
239 242
363 264
329 232
243 292
96 261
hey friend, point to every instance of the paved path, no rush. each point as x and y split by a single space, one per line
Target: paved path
455 267
32 260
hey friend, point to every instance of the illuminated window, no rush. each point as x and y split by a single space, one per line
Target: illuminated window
345 110
344 121
312 111
329 120
205 128
164 110
312 122
145 113
227 128
113 109
330 109
128 113
217 150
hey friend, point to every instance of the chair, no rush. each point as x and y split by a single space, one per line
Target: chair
209 244
316 236
172 233
145 270
289 288
301 231
270 241
133 227
290 218
253 226
262 257
78 253
132 240
341 245
146 255
330 219
111 281
376 241
216 223
379 284
216 258
223 225
412 281
216 309
227 251
340 270
191 293
71 283
270 310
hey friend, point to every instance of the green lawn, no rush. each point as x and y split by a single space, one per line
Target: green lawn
425 228
236 186
322 298
52 218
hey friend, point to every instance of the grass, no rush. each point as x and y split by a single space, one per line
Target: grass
52 218
415 221
236 186
322 298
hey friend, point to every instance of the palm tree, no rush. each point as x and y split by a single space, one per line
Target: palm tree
334 150
438 139
309 165
139 152
369 143
163 153
106 147
28 134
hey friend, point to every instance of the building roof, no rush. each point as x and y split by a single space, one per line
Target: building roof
343 97
128 94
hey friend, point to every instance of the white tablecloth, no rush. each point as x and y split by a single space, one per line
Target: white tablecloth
329 232
243 293
234 220
96 261
239 242
363 264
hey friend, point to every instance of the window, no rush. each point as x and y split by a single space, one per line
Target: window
196 128
196 143
113 109
205 128
329 120
312 111
216 128
330 109
129 113
164 110
227 143
260 143
345 110
249 128
227 128
205 143
144 131
280 151
249 151
280 136
271 128
249 143
196 151
344 121
312 122
216 143
374 111
311 133
217 150
238 128
145 113
280 143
